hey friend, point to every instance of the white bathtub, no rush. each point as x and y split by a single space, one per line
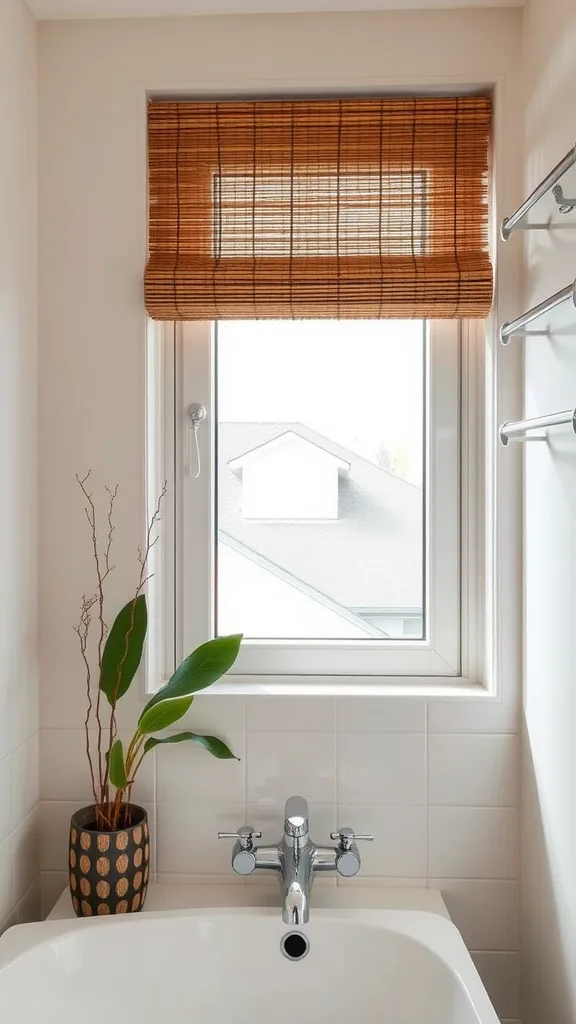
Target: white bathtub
226 966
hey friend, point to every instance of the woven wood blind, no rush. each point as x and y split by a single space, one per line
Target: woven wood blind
330 208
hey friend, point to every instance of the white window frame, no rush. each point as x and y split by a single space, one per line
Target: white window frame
180 371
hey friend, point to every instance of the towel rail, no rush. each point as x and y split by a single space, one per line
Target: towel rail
510 224
515 326
519 429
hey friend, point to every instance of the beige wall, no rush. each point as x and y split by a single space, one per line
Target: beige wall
18 443
436 781
549 770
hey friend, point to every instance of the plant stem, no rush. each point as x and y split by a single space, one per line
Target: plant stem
102 572
108 810
143 559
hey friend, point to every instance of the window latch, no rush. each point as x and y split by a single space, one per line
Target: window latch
197 414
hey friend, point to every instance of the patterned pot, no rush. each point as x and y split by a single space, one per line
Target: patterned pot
108 870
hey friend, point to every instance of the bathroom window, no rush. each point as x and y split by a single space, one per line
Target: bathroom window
314 269
325 511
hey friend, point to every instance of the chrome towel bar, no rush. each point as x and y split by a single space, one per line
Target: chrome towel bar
515 326
510 224
519 430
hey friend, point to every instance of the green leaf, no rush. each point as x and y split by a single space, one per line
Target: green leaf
163 714
212 744
123 649
200 669
116 766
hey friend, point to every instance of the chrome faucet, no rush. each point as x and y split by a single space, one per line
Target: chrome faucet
296 858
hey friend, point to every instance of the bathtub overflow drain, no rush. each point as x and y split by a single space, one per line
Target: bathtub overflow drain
294 946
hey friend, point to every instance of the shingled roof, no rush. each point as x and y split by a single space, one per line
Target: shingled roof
365 558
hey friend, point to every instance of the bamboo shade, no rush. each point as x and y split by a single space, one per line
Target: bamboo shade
328 208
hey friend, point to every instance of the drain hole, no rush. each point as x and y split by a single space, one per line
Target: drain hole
294 946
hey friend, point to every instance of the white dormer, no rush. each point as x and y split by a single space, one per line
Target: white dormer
289 478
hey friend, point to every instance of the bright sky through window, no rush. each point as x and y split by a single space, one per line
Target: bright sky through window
321 430
359 382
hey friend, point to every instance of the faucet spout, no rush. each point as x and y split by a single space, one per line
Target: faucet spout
296 862
295 909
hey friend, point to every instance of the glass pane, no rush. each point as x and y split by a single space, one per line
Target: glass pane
320 477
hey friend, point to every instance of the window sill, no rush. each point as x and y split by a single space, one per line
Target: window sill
352 686
430 688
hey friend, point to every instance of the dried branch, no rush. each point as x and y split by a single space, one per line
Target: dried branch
143 557
102 763
112 495
103 567
92 613
82 629
150 541
103 570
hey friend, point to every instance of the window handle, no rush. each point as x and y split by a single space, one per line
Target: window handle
197 414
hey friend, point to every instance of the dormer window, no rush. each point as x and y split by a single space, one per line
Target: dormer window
289 478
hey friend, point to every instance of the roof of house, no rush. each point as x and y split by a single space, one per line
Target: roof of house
366 558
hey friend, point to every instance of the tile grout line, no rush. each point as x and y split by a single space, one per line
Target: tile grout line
362 803
335 722
245 722
191 878
11 753
427 792
155 807
365 732
494 952
37 881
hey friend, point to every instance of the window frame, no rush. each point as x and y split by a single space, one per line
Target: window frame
180 371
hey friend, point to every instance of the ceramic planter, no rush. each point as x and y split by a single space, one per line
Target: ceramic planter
108 870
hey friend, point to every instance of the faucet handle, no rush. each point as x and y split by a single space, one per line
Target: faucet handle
346 837
347 856
245 836
244 852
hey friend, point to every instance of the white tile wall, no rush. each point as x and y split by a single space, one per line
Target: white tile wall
20 834
473 842
500 973
399 847
304 762
442 805
382 768
65 774
372 714
473 770
6 797
485 911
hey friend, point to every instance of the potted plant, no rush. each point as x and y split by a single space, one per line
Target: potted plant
109 853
